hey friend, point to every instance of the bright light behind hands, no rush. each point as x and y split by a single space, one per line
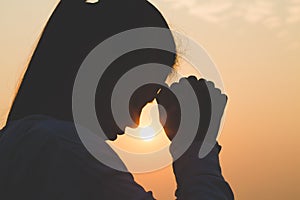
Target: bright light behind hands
147 133
137 146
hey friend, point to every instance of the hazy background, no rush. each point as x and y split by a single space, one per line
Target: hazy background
256 46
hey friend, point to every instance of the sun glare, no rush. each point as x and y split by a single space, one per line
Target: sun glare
147 133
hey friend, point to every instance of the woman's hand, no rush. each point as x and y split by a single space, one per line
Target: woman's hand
211 103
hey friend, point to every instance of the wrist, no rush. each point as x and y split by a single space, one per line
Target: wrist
189 165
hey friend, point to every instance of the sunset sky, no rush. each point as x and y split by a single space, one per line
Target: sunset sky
256 47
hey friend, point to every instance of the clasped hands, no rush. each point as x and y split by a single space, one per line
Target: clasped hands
211 104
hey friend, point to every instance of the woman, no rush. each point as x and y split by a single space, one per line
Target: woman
41 154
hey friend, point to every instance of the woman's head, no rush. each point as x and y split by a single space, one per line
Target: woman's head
74 29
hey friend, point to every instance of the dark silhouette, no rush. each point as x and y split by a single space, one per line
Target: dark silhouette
74 29
41 155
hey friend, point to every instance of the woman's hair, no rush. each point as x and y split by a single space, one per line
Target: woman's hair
73 30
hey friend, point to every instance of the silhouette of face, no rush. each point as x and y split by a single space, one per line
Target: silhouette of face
143 95
139 99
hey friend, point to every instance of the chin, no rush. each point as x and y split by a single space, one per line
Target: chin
112 137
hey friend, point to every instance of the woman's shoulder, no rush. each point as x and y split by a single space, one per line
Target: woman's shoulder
47 132
38 123
39 129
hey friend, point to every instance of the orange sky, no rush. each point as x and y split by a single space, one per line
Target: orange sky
256 47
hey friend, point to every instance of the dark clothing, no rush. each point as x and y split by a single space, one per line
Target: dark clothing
42 158
201 178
